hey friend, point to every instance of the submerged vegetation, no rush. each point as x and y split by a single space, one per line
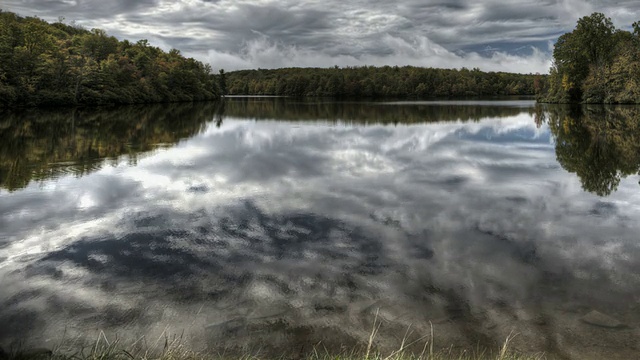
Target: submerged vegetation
596 63
180 352
372 82
62 64
174 348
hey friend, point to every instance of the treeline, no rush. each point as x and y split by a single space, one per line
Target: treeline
60 64
373 82
600 144
596 63
40 144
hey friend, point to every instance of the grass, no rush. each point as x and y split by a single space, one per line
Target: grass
176 350
168 348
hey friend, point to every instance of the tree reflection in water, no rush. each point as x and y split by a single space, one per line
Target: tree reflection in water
600 144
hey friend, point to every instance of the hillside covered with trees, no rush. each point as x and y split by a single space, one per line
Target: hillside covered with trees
373 82
60 64
596 63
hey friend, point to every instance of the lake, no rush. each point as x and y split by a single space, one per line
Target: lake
272 225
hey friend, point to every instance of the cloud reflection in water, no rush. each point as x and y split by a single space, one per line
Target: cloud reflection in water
266 231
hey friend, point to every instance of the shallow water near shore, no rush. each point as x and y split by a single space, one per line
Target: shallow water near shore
271 225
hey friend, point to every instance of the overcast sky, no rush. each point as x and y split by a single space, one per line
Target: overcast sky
495 35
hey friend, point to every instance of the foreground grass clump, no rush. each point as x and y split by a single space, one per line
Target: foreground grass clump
167 349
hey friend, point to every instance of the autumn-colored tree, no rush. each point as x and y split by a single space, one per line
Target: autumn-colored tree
61 64
595 63
372 82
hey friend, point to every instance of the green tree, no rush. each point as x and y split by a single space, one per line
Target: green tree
369 81
222 83
60 64
595 63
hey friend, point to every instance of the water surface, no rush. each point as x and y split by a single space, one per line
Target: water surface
273 225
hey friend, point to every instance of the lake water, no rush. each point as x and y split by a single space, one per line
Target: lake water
269 225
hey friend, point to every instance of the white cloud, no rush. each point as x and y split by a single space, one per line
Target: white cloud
275 33
264 53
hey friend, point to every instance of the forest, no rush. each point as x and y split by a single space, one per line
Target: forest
376 82
44 64
51 64
595 63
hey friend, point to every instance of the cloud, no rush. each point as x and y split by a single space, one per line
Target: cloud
244 33
263 53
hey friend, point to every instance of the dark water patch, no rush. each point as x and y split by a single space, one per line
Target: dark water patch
604 209
20 297
449 183
198 189
522 249
134 255
19 322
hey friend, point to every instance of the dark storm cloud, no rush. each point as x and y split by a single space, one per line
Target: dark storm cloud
79 10
275 33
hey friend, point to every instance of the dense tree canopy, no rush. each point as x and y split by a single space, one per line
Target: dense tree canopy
62 64
596 63
371 82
